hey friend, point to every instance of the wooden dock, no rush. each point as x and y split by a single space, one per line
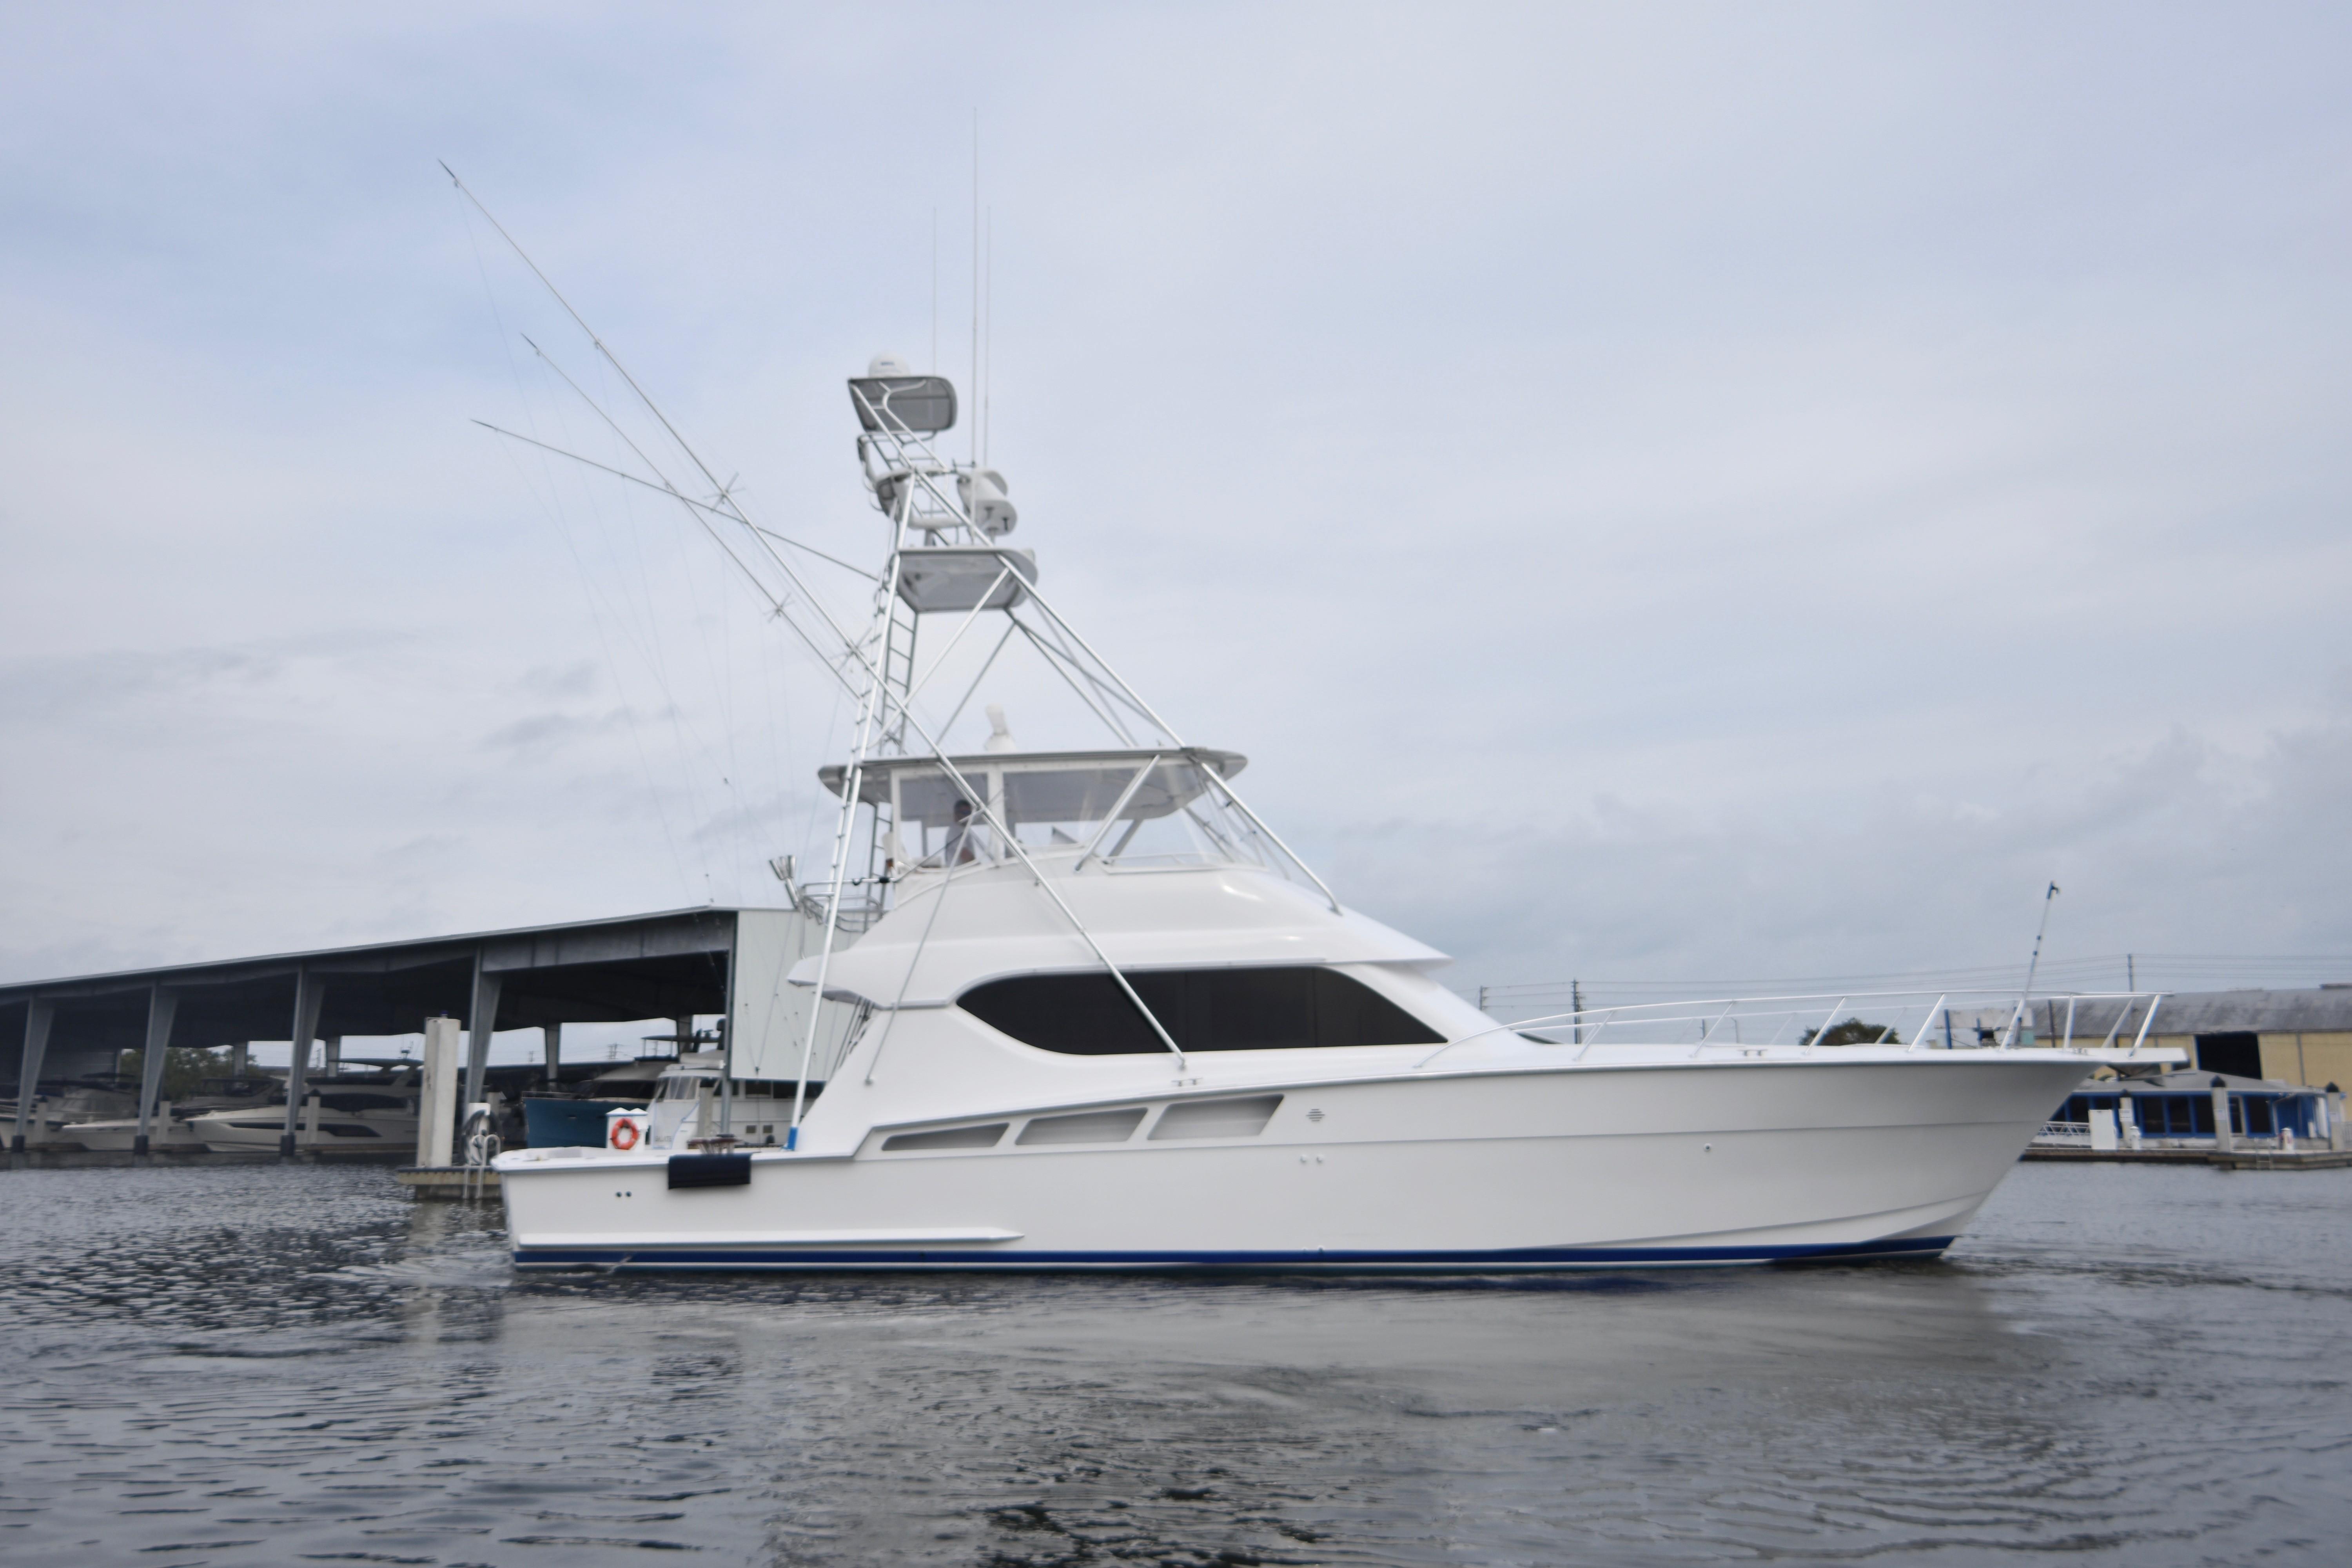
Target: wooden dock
2229 1160
454 1184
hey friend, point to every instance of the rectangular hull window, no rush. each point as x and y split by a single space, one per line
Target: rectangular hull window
981 1137
1217 1117
1091 1127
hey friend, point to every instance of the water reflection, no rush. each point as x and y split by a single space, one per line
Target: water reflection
256 1365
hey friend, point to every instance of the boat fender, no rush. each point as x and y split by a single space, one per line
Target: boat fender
709 1171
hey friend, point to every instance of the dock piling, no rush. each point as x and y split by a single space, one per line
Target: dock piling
309 994
37 1014
437 1105
162 1006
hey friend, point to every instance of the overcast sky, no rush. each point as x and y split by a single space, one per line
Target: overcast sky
1657 492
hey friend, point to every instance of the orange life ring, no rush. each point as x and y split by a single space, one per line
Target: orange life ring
624 1134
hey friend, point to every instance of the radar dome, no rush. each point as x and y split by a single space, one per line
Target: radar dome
889 364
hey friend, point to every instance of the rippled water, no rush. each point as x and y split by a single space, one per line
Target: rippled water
255 1364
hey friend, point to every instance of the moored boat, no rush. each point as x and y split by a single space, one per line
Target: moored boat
169 1129
1106 1019
377 1114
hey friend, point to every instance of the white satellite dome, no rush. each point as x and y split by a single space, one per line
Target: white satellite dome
889 364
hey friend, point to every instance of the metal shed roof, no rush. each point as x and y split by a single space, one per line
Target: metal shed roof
671 964
2322 1010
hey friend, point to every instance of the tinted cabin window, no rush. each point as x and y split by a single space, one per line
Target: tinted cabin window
1204 1009
2237 1054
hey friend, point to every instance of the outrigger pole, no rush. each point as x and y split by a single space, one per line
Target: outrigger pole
2025 997
878 695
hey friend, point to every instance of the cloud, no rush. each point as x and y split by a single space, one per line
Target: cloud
2157 849
539 734
1749 498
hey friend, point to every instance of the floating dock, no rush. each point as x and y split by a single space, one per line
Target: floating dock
2229 1160
459 1184
38 1158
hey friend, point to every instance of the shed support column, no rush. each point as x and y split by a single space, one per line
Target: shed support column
308 993
481 1018
437 1094
2221 1140
331 1059
240 1055
161 1007
550 1044
37 1014
683 1029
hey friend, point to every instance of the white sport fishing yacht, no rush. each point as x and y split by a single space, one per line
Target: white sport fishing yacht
695 1103
1104 1019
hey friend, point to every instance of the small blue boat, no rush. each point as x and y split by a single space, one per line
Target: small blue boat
565 1123
576 1119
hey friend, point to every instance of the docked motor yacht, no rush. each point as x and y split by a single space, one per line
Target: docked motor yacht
378 1112
53 1119
166 1132
1104 1019
695 1102
170 1128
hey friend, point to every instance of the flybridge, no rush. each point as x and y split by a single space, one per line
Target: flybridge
1150 796
920 811
1050 800
1147 797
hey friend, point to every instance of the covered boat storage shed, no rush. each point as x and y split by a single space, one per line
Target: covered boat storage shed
673 965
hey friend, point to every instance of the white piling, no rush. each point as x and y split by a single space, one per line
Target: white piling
436 1106
2103 1130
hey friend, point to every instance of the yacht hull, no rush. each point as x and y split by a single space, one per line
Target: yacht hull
1613 1165
260 1131
164 1135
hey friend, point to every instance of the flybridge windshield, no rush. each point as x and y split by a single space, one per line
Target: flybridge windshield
1124 806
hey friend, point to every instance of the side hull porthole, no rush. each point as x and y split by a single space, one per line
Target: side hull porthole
981 1137
1087 1127
1217 1117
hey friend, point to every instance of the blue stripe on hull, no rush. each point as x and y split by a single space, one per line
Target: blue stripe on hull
1515 1260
